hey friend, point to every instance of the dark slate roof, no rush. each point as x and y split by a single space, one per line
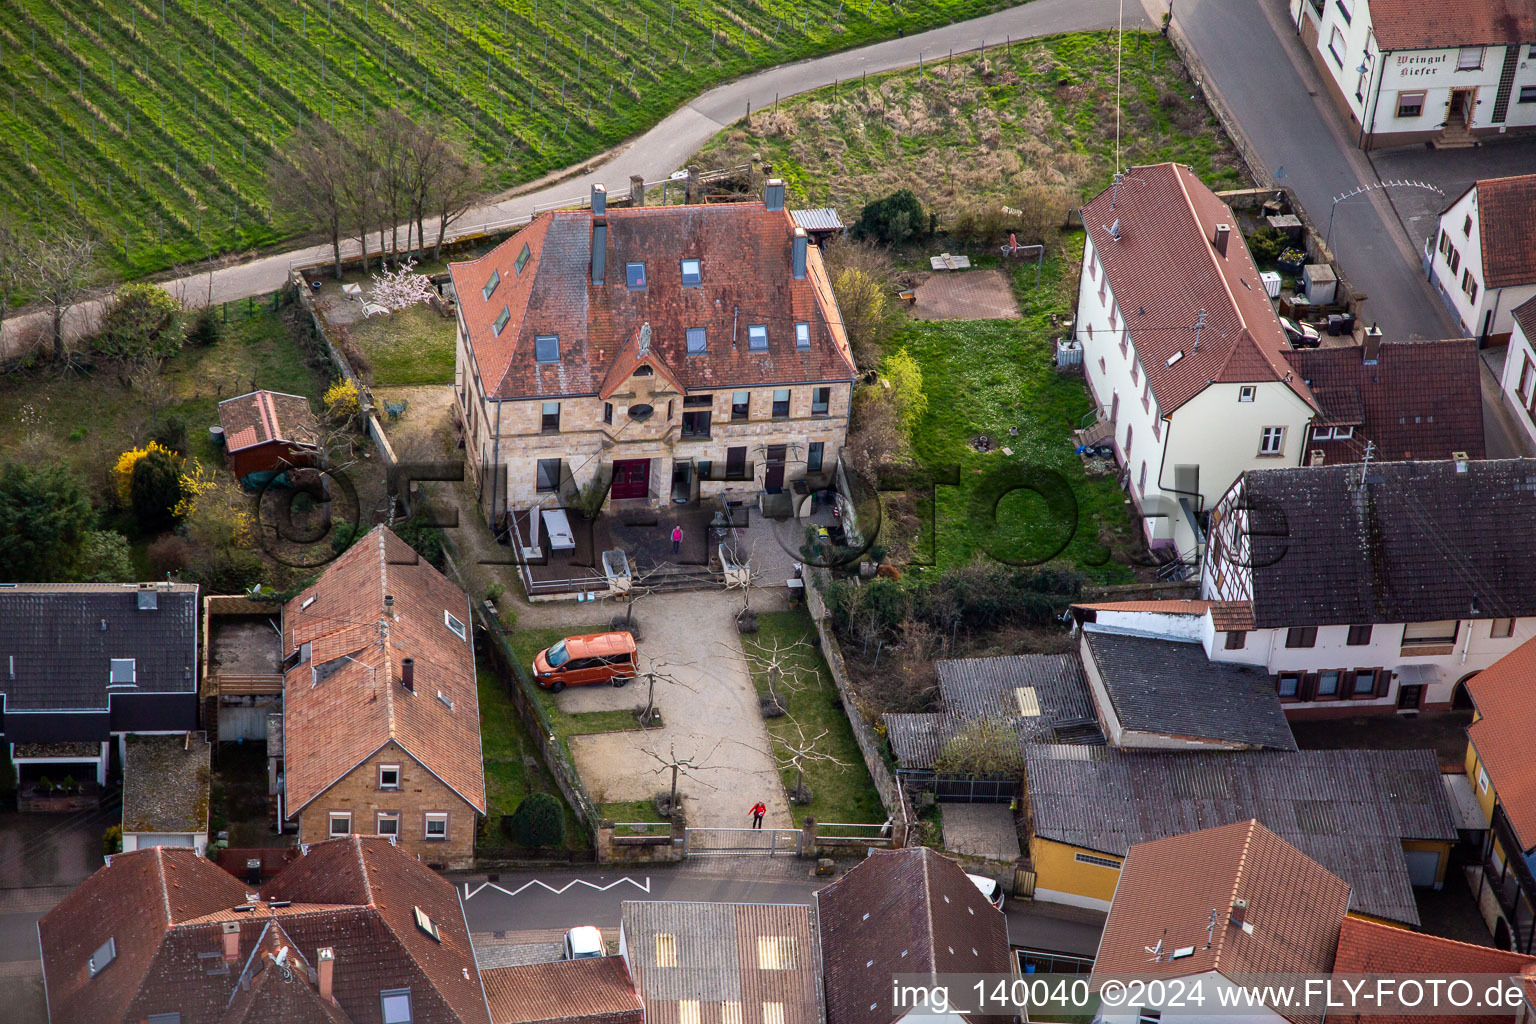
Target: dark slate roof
908 912
1420 542
1170 687
1349 810
165 783
63 655
974 688
747 278
1420 400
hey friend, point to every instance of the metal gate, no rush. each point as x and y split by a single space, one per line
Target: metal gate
702 842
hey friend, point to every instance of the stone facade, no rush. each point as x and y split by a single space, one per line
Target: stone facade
418 794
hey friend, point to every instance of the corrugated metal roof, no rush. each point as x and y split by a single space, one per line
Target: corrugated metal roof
1349 810
824 219
724 963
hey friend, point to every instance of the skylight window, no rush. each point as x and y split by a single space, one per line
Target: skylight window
307 602
501 321
395 1006
426 924
490 286
454 624
634 276
123 672
1176 357
696 341
757 338
666 949
693 273
105 954
522 259
546 348
802 335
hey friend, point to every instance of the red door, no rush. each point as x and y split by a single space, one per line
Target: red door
631 478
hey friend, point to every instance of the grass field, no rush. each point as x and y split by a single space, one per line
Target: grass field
406 348
982 130
842 792
152 121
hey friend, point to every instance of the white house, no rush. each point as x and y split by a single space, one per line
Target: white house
1519 381
1182 350
1373 588
1406 71
1484 259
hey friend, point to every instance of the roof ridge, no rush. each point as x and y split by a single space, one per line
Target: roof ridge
384 643
362 866
1237 881
165 886
1210 250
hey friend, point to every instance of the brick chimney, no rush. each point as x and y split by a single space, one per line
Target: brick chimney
773 194
408 673
389 606
799 254
325 973
1219 240
1239 913
231 931
637 190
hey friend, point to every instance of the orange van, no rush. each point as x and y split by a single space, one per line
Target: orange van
586 660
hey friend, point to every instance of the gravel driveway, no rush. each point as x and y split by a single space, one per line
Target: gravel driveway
710 714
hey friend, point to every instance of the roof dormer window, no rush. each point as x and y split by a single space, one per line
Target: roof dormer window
490 286
546 348
693 273
501 321
634 276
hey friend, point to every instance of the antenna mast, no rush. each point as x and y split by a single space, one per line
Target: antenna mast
1119 54
1199 323
1365 461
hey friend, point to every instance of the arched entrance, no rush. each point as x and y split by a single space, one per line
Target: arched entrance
1501 936
1461 700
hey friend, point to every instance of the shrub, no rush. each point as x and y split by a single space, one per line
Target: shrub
893 219
876 438
143 320
205 329
154 491
538 821
44 514
341 400
985 747
345 535
104 558
863 282
168 554
1266 244
427 540
494 591
589 498
112 840
905 376
171 434
122 471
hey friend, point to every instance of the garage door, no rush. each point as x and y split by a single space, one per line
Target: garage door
1422 866
180 840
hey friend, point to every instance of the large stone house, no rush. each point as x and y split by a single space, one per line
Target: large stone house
1406 71
673 353
1184 355
381 719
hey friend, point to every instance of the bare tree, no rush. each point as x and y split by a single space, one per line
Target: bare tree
308 178
643 584
687 767
459 185
360 199
145 378
393 135
61 267
797 751
785 667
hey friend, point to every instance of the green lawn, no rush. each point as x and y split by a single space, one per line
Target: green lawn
96 416
977 131
985 377
504 743
525 643
152 124
841 792
406 348
631 811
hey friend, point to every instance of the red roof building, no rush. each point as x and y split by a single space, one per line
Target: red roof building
268 432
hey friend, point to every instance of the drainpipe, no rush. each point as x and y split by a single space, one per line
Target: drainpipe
1492 318
1373 96
1465 644
495 463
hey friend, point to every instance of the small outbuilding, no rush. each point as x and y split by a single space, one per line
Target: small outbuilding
267 433
166 783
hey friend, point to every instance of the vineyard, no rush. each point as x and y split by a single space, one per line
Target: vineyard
152 123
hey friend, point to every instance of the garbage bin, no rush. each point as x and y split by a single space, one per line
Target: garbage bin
1335 325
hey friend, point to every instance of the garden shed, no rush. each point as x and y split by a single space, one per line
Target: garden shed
267 432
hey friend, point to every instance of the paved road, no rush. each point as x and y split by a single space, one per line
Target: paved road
557 899
1269 84
664 148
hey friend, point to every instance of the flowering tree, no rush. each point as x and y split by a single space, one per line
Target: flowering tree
402 288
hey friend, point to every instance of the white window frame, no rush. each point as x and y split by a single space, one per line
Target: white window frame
392 817
757 337
1464 52
452 622
426 825
1482 779
389 768
132 669
1247 393
703 338
1424 639
330 824
1265 436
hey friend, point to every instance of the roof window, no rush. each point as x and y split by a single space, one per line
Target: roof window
522 258
123 672
546 348
426 924
454 624
696 341
757 338
802 335
395 1006
105 954
1175 357
490 286
634 276
501 321
693 273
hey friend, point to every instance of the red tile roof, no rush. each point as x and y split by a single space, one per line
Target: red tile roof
1506 219
1502 734
595 991
1168 889
1172 606
1367 947
264 416
349 700
1416 25
1164 270
1525 316
1420 400
1232 616
165 910
747 278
